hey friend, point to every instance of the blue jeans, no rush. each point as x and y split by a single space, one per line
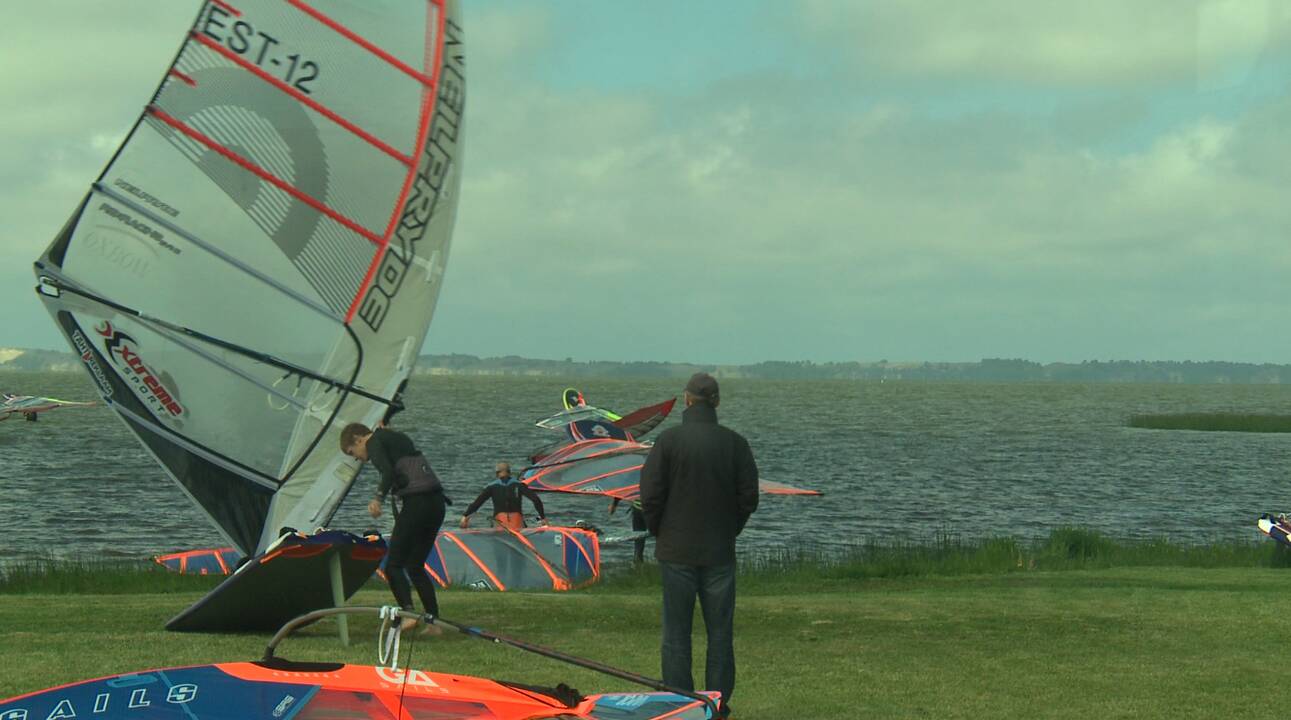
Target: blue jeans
715 588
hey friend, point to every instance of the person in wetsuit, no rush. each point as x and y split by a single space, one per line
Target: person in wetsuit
405 472
638 525
505 492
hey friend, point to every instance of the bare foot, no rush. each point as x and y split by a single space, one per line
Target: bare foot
432 629
407 624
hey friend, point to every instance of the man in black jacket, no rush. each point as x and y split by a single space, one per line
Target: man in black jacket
698 488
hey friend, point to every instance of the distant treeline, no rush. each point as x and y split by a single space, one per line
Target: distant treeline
990 370
38 360
987 370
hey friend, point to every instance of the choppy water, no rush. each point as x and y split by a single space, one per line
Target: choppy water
897 460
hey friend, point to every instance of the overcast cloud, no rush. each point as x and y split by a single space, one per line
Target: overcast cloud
817 180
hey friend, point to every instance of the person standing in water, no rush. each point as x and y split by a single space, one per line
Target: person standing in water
505 491
405 472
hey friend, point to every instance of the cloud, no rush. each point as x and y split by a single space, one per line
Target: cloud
1100 44
800 232
784 212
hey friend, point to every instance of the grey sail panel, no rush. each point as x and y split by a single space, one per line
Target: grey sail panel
235 497
393 309
270 241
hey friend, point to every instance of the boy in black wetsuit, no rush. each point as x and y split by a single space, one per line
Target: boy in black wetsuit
405 472
505 492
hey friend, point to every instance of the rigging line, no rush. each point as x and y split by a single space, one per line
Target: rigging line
210 357
270 651
358 365
261 173
302 98
232 347
100 187
578 661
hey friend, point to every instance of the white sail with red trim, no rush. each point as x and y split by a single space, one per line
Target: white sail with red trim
259 262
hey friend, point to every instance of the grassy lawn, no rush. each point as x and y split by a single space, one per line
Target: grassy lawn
1178 642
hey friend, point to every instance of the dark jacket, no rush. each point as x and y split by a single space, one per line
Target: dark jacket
505 495
698 488
402 468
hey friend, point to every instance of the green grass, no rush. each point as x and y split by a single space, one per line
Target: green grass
1142 642
1227 422
1074 626
98 577
1067 548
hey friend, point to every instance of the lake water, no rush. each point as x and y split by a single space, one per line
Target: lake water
896 460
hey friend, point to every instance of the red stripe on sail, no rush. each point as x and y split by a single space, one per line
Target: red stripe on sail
187 80
302 98
476 559
557 583
360 40
260 172
227 8
423 128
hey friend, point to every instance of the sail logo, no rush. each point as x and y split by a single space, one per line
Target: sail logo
282 707
87 357
141 227
181 694
123 350
415 678
428 188
626 702
146 197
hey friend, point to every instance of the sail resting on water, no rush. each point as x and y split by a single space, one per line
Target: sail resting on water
259 262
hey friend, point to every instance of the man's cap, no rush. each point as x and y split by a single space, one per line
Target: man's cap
702 385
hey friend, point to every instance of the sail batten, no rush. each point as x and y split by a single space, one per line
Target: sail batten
216 252
262 173
360 41
304 100
177 334
248 272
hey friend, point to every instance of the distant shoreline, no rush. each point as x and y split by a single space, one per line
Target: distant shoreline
986 370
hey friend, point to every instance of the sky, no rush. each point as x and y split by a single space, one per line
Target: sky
732 182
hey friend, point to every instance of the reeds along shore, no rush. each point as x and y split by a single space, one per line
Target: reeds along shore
1067 548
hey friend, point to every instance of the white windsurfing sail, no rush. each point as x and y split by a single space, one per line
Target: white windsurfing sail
259 262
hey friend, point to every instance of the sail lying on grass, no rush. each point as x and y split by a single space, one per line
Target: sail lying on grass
501 559
259 262
210 561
